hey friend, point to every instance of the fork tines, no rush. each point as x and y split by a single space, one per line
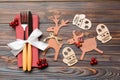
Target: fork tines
24 17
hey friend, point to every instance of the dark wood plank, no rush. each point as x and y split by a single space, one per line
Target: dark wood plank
75 72
95 11
59 70
99 11
51 0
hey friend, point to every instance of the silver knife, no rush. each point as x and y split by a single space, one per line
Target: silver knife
30 29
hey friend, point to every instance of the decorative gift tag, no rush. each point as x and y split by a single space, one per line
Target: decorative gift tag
69 56
82 22
103 33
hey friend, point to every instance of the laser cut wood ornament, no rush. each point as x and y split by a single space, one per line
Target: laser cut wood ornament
53 40
88 45
69 56
103 33
82 22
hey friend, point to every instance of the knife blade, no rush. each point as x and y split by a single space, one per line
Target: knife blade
30 23
30 29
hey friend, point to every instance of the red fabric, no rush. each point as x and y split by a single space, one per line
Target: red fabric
19 35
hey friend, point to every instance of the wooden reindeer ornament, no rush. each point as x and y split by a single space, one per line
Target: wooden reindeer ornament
55 29
53 40
88 44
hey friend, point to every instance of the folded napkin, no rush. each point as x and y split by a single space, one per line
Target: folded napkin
20 35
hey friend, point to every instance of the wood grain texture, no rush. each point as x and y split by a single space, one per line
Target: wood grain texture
99 11
51 0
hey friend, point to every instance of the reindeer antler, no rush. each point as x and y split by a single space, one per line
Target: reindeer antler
74 33
55 29
55 19
63 23
75 37
80 35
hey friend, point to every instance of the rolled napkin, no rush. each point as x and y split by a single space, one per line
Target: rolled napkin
20 36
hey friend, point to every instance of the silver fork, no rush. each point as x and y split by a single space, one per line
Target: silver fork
24 20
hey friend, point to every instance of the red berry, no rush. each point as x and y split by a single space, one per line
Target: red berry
44 59
78 43
40 67
16 20
95 62
43 65
92 63
40 60
46 64
16 23
12 23
93 59
38 63
75 43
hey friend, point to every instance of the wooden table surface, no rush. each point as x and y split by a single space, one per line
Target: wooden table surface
98 11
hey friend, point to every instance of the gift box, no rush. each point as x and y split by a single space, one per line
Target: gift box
20 35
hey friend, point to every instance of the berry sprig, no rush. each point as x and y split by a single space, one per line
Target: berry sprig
79 43
42 63
93 61
14 23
